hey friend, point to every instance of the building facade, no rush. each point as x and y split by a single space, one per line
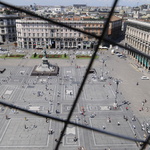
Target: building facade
33 33
137 36
115 25
8 28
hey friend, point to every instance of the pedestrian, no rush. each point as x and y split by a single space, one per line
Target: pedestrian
85 122
47 120
50 131
103 127
25 118
7 117
135 135
133 118
56 140
118 123
144 136
75 139
25 127
35 126
57 111
137 83
77 118
109 107
134 127
126 108
82 109
109 120
145 100
147 109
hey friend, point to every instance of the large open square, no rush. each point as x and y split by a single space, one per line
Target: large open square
54 95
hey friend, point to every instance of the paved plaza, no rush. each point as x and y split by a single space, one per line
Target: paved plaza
54 95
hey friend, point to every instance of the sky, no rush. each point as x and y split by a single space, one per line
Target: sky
131 3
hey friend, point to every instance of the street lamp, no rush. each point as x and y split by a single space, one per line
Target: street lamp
8 48
116 93
103 61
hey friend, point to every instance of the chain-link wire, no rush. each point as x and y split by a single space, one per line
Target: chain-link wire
99 39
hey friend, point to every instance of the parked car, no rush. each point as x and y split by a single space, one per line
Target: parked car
17 50
39 48
3 49
144 78
119 55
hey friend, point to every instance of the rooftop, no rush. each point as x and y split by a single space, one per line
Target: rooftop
139 23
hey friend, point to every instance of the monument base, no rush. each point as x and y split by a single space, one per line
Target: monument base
44 71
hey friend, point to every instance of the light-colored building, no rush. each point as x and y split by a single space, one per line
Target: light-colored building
33 33
8 28
94 27
57 9
137 37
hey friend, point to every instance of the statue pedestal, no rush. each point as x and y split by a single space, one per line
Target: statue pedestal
45 69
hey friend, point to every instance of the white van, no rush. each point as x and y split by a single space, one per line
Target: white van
144 78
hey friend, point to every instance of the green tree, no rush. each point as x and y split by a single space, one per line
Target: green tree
8 12
35 55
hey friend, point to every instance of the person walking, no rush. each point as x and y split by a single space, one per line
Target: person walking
50 131
75 139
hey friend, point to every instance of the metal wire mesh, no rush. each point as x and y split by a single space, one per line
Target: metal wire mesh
67 121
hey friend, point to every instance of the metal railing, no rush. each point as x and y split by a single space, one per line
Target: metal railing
67 121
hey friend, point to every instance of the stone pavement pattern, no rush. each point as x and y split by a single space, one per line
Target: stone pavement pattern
24 131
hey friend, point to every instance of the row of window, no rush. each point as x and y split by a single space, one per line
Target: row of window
42 39
138 45
138 33
94 25
44 25
44 30
7 22
50 35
